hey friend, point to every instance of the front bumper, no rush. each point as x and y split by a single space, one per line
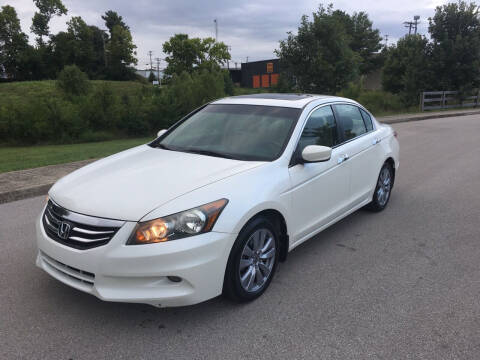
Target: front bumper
139 273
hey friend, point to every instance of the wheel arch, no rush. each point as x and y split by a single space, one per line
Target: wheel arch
391 162
279 220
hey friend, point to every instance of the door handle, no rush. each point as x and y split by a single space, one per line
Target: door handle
343 158
376 141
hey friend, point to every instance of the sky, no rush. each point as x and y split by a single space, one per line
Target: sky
252 28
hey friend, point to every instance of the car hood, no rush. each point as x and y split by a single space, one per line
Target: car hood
130 184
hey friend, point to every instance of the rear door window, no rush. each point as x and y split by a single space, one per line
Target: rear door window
368 120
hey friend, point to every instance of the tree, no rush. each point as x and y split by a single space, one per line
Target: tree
455 34
407 68
47 9
120 48
81 45
185 54
111 19
364 40
319 57
121 54
12 42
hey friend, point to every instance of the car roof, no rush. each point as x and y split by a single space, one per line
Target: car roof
282 100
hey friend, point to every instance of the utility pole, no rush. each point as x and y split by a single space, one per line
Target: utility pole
158 69
247 59
150 54
415 20
409 24
412 25
216 29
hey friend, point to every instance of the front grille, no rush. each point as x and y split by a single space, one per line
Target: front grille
81 277
76 230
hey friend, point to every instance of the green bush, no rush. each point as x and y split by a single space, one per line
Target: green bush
376 101
103 114
72 81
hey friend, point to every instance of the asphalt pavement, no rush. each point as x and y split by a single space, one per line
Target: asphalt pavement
400 284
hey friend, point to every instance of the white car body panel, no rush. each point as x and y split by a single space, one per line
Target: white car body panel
146 183
128 185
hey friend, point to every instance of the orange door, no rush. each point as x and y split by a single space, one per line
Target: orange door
265 80
274 79
256 81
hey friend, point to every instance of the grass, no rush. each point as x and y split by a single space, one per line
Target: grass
21 92
19 158
249 91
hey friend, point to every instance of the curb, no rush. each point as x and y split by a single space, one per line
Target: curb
386 119
20 194
45 176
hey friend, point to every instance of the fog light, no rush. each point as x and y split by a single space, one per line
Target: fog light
174 278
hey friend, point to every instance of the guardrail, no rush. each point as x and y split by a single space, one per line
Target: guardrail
434 100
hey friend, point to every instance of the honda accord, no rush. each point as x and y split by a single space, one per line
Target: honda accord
215 202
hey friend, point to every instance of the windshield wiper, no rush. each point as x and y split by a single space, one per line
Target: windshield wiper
209 153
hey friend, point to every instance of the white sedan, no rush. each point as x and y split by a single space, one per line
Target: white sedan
217 200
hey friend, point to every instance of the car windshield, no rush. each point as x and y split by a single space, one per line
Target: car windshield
243 132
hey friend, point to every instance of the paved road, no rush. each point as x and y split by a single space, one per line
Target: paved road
402 284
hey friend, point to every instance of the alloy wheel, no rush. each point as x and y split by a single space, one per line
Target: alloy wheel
257 260
384 186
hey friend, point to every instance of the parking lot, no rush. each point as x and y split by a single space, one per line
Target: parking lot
401 284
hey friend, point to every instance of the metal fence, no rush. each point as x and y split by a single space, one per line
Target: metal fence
433 100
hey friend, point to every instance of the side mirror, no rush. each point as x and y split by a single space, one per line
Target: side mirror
316 153
161 132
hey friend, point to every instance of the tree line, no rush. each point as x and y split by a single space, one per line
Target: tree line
100 54
332 49
331 53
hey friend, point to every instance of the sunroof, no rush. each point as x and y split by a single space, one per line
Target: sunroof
271 96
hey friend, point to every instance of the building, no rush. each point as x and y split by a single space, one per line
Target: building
260 74
236 75
146 73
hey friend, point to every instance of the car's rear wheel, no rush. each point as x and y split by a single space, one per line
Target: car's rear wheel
383 189
253 260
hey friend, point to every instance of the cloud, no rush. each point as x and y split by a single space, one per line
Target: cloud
251 27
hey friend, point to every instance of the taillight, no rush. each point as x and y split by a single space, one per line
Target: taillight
395 134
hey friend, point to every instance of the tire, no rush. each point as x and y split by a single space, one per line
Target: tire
383 189
256 250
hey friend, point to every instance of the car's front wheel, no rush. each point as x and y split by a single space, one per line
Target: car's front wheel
253 260
383 189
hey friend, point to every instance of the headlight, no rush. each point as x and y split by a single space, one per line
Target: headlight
183 224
